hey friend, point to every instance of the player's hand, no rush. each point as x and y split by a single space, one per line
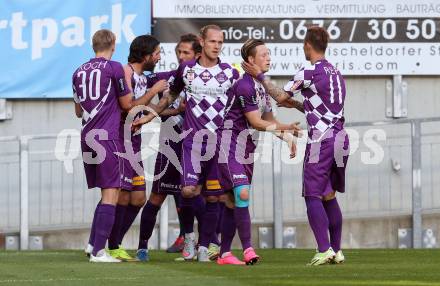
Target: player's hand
288 103
160 86
295 129
251 69
137 124
292 147
135 129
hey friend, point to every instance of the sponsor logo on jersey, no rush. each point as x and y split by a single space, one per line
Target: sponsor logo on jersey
241 100
239 176
254 99
121 84
191 176
170 186
138 181
213 185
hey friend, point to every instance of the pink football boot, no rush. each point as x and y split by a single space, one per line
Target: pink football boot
250 257
228 258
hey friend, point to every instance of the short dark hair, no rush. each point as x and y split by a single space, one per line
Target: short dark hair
103 40
204 30
317 37
249 48
142 46
193 39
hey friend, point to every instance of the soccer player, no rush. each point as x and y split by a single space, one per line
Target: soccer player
144 55
248 107
100 92
326 155
167 175
188 49
205 81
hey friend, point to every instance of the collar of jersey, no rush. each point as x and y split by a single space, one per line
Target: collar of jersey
197 62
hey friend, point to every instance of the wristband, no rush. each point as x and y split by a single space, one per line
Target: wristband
260 77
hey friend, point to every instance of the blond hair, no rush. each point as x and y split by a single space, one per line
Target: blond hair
249 48
103 40
204 30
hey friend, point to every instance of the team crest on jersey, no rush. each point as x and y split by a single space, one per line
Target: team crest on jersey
221 77
206 76
190 75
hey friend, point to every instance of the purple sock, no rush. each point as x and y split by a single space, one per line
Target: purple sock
214 238
130 215
209 224
148 220
228 230
335 223
177 201
218 229
93 228
243 221
199 210
105 217
179 216
187 212
318 221
113 240
220 218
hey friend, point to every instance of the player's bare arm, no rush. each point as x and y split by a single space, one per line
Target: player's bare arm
168 98
127 102
287 137
158 87
291 103
278 94
281 97
275 92
166 112
182 105
78 110
128 73
268 116
260 124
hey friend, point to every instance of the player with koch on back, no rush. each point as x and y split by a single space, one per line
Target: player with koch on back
100 94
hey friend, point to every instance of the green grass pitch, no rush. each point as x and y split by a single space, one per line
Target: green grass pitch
277 267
